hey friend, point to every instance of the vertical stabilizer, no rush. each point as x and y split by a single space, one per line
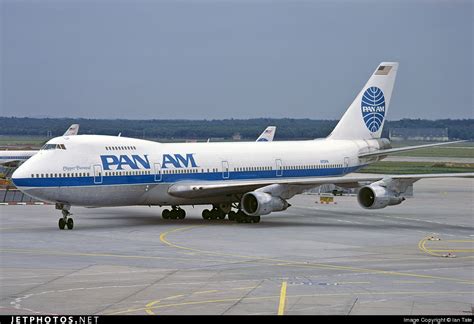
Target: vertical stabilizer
267 135
72 130
366 115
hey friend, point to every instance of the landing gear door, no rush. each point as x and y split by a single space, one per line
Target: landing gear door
158 172
97 174
279 167
225 170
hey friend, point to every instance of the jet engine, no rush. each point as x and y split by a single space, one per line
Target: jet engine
257 203
376 197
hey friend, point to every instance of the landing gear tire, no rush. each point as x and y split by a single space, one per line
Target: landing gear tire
206 214
62 223
220 214
244 218
70 224
165 214
181 213
213 214
254 219
232 216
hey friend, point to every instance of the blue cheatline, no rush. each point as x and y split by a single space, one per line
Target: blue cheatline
172 178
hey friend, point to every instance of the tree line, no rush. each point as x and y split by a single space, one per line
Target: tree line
287 128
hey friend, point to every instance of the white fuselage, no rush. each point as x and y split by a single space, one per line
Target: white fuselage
96 170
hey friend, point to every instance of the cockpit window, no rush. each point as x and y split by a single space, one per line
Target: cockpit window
53 147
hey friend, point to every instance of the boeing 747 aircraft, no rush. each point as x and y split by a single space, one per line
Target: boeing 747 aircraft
243 180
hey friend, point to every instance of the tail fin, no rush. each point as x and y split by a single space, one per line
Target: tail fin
72 130
267 135
365 117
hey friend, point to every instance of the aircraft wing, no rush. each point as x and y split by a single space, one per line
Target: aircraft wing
201 189
403 149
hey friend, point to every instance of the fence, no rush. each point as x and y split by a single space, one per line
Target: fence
9 196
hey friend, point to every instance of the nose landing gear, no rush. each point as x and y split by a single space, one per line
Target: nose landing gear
65 221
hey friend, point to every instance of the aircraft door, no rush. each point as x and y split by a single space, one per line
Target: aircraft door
98 174
346 165
225 170
279 167
158 172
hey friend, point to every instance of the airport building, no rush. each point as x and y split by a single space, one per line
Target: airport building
419 134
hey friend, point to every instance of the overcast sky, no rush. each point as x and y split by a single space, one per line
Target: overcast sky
232 59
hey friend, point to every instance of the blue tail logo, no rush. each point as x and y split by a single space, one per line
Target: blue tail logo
373 108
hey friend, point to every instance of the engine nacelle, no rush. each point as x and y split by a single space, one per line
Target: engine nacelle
376 197
257 203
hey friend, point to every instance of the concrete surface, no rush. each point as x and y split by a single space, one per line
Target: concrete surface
311 259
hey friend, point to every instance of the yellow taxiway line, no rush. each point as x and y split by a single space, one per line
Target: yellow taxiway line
281 306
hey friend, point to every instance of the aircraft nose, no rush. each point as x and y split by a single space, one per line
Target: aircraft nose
14 176
18 174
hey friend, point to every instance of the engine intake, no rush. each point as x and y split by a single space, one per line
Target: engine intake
377 197
257 203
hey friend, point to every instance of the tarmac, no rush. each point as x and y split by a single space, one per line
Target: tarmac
336 258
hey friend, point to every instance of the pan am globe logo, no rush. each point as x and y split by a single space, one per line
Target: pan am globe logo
373 108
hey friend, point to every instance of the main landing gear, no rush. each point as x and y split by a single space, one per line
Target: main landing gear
65 221
217 212
239 216
214 213
175 213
